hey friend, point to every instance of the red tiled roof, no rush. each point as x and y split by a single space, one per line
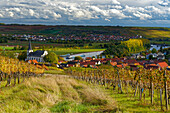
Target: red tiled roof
113 63
131 61
119 66
70 65
88 63
88 58
125 64
33 61
163 64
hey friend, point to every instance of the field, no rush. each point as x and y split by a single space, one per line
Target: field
55 94
6 47
148 32
75 51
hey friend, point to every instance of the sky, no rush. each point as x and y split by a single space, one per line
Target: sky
153 13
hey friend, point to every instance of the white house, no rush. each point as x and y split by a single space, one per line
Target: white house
37 55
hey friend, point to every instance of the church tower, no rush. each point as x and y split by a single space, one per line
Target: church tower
29 48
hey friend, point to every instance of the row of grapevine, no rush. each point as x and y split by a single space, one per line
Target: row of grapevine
13 69
140 82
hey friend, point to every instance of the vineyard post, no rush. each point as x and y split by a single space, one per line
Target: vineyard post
81 74
140 89
15 78
91 80
119 82
151 86
97 76
161 98
165 85
94 77
1 78
136 88
104 78
18 78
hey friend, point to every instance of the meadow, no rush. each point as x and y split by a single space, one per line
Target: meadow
63 51
55 94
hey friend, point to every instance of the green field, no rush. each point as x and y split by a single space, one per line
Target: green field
75 51
6 48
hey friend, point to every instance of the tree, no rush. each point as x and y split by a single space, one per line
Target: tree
143 54
150 57
93 57
22 56
23 48
90 44
51 57
78 58
161 49
154 50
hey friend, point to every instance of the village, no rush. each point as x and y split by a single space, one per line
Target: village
132 64
91 37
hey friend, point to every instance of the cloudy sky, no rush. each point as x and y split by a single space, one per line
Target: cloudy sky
87 12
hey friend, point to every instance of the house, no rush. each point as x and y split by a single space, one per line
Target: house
73 64
162 65
63 65
131 61
37 55
113 63
90 63
160 56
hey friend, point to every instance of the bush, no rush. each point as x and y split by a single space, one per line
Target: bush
51 57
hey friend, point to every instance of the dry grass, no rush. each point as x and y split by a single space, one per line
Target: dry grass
61 94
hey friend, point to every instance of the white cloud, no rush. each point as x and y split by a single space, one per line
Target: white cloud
84 10
11 14
142 16
115 2
117 13
1 16
164 2
31 12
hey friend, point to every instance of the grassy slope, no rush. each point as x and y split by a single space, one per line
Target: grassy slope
54 94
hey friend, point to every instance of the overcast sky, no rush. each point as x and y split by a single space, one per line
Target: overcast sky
87 12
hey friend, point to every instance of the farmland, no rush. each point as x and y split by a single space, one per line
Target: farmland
148 32
75 51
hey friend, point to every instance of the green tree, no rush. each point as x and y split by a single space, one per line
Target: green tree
143 54
51 57
154 50
22 56
161 49
150 57
78 58
93 57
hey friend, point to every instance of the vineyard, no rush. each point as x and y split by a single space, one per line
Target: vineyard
147 85
14 71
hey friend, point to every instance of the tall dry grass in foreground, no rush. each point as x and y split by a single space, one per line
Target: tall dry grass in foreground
54 94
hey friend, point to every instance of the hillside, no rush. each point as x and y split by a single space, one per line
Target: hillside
54 94
148 32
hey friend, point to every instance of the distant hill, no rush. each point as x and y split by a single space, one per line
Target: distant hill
147 32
